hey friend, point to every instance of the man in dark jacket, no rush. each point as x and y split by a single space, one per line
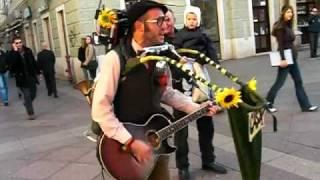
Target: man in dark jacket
314 29
46 60
25 69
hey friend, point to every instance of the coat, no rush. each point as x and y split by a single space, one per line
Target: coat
46 61
24 74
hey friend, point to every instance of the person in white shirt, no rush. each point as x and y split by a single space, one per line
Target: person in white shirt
135 97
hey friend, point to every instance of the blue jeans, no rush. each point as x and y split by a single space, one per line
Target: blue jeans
4 87
296 76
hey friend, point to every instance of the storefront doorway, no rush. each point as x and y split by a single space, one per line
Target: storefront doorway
261 25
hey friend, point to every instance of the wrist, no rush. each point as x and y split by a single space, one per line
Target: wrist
127 146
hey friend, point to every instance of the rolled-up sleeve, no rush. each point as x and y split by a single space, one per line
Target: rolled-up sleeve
102 105
178 100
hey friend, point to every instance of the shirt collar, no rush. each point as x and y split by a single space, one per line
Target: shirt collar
136 47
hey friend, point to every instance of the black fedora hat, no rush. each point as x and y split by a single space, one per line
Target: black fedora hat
139 8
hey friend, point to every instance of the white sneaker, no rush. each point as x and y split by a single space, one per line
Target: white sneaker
271 108
311 109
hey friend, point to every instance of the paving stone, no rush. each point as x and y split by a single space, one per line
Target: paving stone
271 173
77 172
66 154
39 170
8 168
309 153
89 158
298 166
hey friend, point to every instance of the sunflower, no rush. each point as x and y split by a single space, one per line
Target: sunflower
107 18
252 84
228 98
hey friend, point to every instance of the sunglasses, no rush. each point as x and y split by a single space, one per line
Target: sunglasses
159 20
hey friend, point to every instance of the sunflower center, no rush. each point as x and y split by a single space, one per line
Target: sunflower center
105 18
228 98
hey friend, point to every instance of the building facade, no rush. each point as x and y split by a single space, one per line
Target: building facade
238 28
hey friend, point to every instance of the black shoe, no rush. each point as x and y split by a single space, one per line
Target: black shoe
6 104
31 117
215 168
55 96
184 174
310 109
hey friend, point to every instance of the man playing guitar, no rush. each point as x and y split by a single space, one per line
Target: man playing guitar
134 98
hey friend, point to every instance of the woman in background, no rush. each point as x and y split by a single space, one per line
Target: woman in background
282 30
82 55
90 62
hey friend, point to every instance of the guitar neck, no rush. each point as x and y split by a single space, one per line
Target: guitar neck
181 123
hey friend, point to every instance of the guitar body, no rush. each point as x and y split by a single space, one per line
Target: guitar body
123 165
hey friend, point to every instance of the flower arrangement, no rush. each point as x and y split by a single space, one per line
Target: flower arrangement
228 98
107 18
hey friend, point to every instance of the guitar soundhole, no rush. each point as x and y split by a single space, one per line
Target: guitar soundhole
153 139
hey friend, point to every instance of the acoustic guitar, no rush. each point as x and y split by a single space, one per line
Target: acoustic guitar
123 165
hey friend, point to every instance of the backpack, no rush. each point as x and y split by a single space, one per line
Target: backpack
3 62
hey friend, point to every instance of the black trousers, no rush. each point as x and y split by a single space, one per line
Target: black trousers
29 94
205 128
50 81
314 38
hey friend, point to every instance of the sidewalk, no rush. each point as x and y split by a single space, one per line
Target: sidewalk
52 147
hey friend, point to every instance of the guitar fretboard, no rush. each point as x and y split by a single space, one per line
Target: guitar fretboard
181 123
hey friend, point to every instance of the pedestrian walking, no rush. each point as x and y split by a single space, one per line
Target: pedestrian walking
4 66
282 30
46 60
314 29
26 71
191 36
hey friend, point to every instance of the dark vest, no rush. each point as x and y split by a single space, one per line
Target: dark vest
138 96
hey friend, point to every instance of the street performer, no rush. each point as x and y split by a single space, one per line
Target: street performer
135 97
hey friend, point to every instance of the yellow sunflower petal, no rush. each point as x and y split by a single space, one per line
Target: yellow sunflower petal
107 18
252 84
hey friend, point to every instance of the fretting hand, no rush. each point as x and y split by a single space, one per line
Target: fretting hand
212 109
